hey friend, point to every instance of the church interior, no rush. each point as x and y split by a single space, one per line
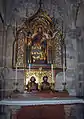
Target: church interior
41 59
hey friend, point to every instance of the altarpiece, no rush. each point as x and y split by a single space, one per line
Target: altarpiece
37 47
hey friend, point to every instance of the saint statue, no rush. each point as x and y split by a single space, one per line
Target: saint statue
28 43
45 85
39 47
32 85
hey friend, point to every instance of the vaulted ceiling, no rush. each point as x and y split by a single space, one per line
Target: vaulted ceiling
12 10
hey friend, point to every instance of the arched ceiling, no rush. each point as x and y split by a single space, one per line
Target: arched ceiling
19 9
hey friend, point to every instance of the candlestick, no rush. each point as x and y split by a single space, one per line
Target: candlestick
64 72
52 70
16 74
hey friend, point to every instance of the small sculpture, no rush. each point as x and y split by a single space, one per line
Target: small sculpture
28 43
32 85
45 85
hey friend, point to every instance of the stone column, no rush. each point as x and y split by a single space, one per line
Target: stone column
72 59
80 65
74 34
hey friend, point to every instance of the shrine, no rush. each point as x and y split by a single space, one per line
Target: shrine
37 48
38 52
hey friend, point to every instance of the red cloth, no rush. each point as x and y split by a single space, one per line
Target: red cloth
41 112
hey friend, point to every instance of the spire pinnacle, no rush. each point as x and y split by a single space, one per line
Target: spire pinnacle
40 3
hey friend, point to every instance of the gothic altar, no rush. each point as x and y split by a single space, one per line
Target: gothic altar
38 48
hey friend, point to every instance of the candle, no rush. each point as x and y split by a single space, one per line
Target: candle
15 27
29 67
52 70
16 74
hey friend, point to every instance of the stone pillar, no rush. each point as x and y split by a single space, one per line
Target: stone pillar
77 60
71 57
80 65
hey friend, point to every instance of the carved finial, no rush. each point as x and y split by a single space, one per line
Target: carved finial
40 3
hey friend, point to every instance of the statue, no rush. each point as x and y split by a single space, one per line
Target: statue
37 36
45 85
28 43
39 46
32 85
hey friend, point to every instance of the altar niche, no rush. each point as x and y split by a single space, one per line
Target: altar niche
36 47
38 76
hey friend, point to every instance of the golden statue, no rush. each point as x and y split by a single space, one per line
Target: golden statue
32 85
39 46
45 85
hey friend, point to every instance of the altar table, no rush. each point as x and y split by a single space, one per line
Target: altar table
40 105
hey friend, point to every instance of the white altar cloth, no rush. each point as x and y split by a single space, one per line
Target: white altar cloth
41 101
